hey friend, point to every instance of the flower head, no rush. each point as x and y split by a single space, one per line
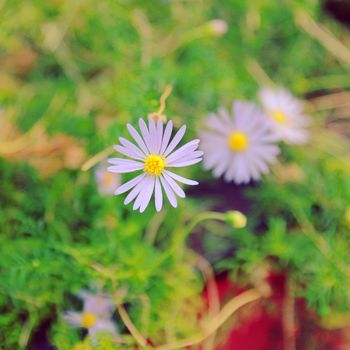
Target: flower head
239 146
153 155
285 115
96 315
106 181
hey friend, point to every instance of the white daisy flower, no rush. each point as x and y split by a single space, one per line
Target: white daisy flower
95 317
154 155
106 181
239 146
285 114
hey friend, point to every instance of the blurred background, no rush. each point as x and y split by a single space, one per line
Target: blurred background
73 73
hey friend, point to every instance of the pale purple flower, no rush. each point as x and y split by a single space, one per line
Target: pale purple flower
106 181
285 114
95 316
153 155
239 146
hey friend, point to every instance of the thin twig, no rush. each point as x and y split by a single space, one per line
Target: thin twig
323 35
96 159
23 141
165 95
258 73
144 27
153 227
213 295
288 316
131 327
216 322
162 103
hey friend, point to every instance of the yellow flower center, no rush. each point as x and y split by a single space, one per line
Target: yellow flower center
279 117
88 320
154 165
238 141
107 179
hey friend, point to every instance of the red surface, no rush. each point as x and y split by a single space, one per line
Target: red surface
259 326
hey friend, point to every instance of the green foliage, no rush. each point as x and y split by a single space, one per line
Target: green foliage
306 231
84 69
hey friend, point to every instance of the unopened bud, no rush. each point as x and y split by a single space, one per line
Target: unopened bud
218 26
236 219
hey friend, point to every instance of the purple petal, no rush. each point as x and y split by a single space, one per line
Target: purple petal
176 188
147 195
158 196
166 137
130 184
177 138
169 192
185 163
180 178
135 191
145 134
188 147
126 143
138 139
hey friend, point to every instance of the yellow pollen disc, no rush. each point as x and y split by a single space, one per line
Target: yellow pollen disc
238 141
107 179
154 165
88 320
279 117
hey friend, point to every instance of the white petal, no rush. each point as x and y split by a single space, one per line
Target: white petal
138 139
103 326
126 143
159 135
123 161
145 134
143 195
158 196
125 168
222 166
135 191
185 156
185 163
130 184
177 138
166 137
169 192
147 194
73 318
188 147
128 152
153 136
176 188
180 178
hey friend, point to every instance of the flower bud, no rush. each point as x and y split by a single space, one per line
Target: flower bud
236 219
218 27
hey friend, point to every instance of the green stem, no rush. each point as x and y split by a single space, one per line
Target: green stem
208 215
181 235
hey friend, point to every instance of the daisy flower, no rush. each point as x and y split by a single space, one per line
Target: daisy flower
285 115
95 317
153 155
239 146
106 181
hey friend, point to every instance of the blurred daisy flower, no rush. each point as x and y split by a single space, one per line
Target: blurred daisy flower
285 114
239 146
95 317
106 181
154 154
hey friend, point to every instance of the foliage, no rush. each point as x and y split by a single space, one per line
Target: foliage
84 69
